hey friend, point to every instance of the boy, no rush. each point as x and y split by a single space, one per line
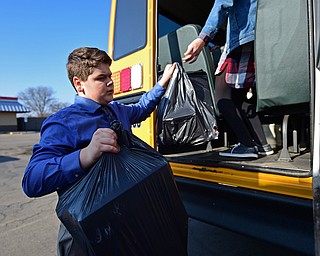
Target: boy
74 138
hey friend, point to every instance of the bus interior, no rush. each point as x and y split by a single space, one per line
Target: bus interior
282 78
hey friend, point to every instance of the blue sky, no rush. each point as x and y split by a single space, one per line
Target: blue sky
37 36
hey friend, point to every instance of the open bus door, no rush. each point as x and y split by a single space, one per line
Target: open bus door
315 64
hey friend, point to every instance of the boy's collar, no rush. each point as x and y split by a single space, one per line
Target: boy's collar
87 104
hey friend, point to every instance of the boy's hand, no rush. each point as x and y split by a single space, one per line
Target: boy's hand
167 74
103 140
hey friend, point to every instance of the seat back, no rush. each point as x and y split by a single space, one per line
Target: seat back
282 55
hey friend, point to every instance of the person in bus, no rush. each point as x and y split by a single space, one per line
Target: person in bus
74 138
235 92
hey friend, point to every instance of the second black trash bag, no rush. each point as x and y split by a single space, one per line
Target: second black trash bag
182 118
128 204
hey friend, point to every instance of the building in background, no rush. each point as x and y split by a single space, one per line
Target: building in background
9 108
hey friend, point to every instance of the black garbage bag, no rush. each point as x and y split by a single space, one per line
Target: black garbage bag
182 117
127 204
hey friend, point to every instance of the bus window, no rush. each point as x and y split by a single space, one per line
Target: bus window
165 26
128 26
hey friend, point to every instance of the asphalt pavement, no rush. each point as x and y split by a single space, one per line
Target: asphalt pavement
29 226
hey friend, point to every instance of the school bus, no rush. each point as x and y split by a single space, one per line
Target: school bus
273 198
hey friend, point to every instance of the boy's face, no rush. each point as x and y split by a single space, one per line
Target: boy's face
99 85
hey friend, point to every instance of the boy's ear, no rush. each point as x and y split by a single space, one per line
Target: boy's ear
77 84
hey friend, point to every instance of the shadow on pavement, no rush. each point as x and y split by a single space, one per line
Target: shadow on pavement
7 159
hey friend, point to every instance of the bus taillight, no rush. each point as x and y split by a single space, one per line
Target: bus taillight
127 79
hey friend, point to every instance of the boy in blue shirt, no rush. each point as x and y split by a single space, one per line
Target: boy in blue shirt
75 137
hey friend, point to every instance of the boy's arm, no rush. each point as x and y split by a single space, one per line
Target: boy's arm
58 161
148 102
54 163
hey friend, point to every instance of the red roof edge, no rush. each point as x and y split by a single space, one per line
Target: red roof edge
8 98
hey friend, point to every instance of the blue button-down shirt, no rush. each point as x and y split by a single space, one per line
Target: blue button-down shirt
55 162
241 16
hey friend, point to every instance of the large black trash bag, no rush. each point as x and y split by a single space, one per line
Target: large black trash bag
182 117
128 204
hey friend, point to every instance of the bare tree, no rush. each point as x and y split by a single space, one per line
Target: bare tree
40 100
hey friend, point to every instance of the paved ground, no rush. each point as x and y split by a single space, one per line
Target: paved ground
29 227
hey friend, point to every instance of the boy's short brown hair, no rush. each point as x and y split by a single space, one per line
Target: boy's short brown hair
81 62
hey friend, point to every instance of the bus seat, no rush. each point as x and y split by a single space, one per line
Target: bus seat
282 59
171 48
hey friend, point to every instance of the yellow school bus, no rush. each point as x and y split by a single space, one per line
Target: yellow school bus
273 198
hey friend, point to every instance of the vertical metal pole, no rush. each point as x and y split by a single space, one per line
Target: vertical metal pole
313 13
284 153
316 165
295 141
225 139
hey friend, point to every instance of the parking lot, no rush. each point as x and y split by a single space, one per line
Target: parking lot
28 226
